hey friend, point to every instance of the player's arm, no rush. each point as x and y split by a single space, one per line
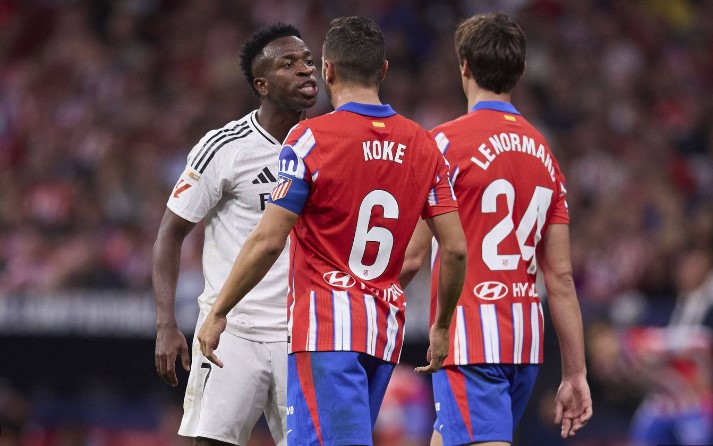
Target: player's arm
258 254
170 342
416 253
453 261
573 404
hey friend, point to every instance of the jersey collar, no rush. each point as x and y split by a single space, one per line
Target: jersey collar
500 106
262 131
373 110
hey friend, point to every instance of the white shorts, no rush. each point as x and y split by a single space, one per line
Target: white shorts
225 403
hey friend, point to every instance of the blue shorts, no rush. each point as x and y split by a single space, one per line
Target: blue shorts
483 402
333 398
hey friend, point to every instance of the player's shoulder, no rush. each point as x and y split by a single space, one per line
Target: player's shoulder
331 120
230 141
450 127
337 123
478 121
528 127
488 122
306 133
414 135
451 131
240 131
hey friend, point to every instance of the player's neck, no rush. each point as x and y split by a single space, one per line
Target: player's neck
341 95
277 122
478 94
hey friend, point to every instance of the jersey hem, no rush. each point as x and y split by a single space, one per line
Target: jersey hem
491 363
435 211
258 335
322 350
183 433
254 334
557 220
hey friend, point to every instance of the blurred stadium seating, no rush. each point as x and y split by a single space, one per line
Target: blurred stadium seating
101 100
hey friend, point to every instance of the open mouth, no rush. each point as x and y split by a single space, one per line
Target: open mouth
308 89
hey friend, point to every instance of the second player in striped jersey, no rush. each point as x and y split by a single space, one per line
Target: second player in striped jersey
512 206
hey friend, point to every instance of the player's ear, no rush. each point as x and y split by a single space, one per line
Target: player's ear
328 71
260 84
384 69
465 69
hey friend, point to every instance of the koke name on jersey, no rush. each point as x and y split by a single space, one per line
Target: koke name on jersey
512 142
383 150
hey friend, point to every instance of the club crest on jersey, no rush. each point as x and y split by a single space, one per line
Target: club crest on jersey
339 279
490 290
283 185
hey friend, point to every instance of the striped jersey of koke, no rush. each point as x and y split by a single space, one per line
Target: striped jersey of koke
359 178
227 182
510 189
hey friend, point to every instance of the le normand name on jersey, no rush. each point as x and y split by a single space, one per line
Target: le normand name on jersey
512 142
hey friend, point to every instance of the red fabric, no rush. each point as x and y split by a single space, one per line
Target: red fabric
503 172
343 174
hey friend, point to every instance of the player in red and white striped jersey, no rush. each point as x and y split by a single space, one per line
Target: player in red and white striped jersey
347 250
512 206
352 186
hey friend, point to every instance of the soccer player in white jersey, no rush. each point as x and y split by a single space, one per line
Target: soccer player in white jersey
227 181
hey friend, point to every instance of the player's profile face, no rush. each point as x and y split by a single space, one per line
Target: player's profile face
290 73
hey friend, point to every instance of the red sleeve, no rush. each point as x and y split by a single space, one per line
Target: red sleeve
441 198
560 211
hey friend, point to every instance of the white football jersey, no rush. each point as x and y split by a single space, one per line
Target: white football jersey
227 181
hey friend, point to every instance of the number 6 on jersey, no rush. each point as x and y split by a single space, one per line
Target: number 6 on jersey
378 234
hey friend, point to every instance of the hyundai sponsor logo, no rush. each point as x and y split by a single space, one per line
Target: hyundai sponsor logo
339 279
490 290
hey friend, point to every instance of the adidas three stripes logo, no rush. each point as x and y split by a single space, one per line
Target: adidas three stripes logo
265 177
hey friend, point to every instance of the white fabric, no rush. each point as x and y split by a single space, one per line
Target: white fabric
691 309
225 403
226 185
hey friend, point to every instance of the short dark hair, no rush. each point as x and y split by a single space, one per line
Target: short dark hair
356 47
494 48
258 41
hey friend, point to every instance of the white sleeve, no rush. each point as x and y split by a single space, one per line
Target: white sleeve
198 192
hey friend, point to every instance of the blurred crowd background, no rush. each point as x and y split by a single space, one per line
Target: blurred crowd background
101 101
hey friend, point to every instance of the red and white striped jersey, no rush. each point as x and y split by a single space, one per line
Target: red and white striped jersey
509 190
360 178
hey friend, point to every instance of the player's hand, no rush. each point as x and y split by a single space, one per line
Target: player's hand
437 350
170 343
209 336
573 405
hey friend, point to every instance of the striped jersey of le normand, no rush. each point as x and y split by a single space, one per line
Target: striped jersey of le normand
510 190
